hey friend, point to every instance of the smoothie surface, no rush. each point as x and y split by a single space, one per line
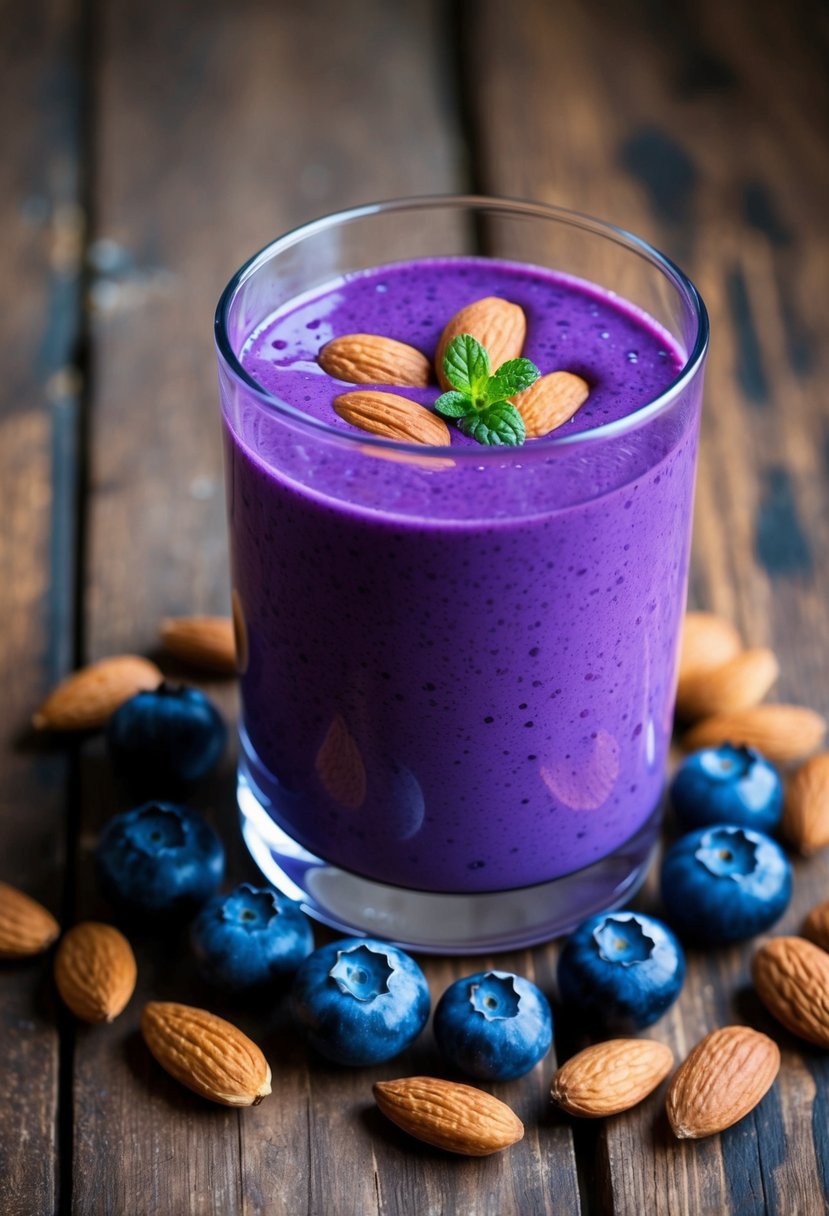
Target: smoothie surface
625 357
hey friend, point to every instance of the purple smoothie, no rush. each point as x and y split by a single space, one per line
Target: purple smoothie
461 672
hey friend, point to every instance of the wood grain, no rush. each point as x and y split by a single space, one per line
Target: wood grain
40 250
669 127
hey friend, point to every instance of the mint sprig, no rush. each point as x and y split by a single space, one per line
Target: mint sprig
479 397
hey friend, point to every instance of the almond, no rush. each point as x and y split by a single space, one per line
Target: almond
806 809
791 976
340 766
723 1078
458 1118
95 971
371 359
206 642
550 402
738 684
498 325
708 641
86 699
393 417
783 733
206 1054
610 1077
816 925
26 927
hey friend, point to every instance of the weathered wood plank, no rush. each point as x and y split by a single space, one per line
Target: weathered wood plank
699 129
219 126
40 241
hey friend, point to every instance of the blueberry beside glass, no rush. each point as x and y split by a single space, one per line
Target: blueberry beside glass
621 970
493 1025
360 1001
251 937
725 883
727 784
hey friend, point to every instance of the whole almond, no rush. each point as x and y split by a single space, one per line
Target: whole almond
708 641
723 1078
610 1077
783 733
550 402
86 699
95 971
339 765
26 927
393 417
738 684
206 1054
816 925
791 977
372 359
498 325
805 821
206 642
458 1118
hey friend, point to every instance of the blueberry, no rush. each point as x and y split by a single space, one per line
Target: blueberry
727 785
621 970
250 937
360 1001
725 883
167 737
159 859
493 1025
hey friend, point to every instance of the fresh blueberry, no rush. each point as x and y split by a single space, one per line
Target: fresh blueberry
167 737
621 970
360 1001
250 937
493 1025
159 859
725 883
727 785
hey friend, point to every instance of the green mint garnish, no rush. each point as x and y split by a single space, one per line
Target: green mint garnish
478 399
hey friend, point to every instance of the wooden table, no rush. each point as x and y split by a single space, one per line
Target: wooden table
148 149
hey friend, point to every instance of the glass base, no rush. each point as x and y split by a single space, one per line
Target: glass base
436 923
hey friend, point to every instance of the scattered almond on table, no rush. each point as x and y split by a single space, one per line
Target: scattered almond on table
95 971
26 927
611 1077
723 1078
708 641
455 1117
739 683
207 1054
719 689
87 698
791 978
805 823
783 733
816 925
205 642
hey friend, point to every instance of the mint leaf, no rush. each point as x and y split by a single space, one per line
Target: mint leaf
454 405
466 365
499 424
511 377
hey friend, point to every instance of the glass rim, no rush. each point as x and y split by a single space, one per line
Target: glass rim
543 211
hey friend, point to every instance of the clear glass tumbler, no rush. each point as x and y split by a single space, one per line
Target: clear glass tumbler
388 778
